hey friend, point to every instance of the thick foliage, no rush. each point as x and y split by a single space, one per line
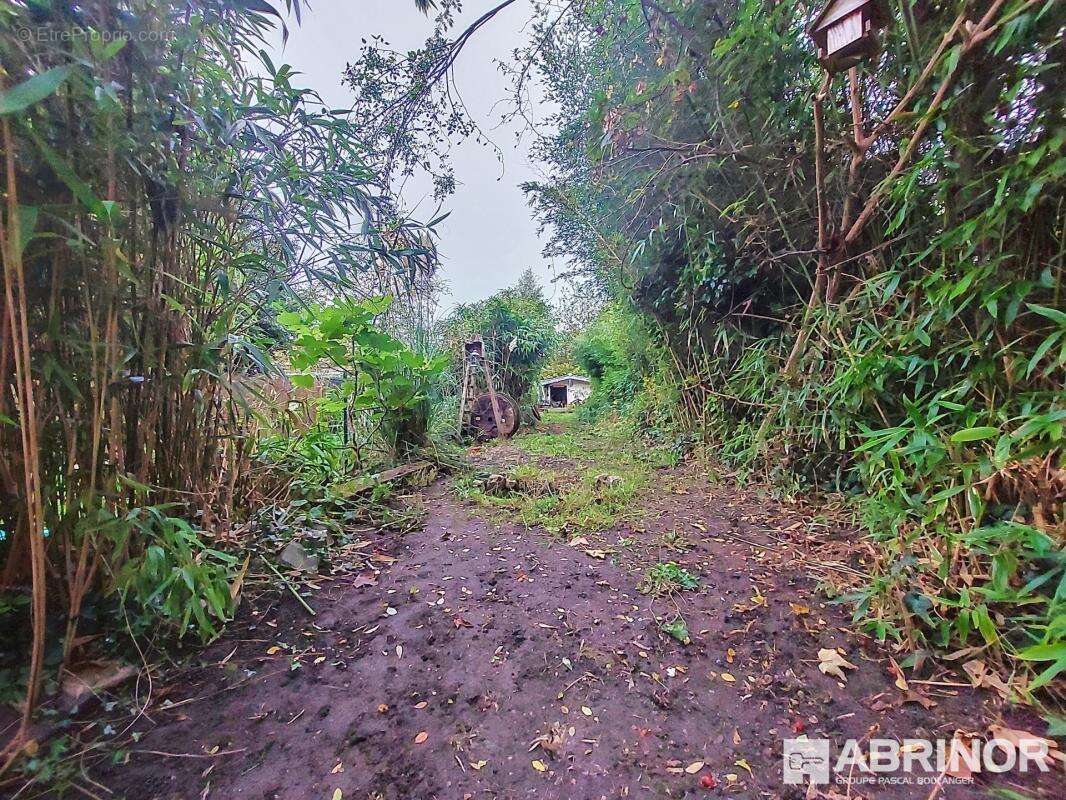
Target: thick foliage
518 328
876 307
370 382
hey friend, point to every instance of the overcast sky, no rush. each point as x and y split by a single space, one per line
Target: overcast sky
490 237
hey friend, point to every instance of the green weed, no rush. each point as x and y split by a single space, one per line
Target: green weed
677 629
668 578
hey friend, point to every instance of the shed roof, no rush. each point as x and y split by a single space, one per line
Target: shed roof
565 378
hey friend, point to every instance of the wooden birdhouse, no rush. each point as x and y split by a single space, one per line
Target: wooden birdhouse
846 32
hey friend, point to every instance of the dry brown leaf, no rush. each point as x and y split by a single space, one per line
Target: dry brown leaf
981 676
957 766
1017 738
93 678
421 737
830 662
897 671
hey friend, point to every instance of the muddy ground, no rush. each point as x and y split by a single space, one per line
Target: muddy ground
489 660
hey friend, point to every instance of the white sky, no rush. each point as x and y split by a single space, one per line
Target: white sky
490 237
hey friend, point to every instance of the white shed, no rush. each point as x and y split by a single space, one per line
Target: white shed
565 390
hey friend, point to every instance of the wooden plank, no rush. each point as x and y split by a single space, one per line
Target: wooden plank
366 482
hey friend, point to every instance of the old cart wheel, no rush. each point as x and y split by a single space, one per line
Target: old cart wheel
483 421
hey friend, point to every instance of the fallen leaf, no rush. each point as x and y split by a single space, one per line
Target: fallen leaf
539 766
922 700
694 767
272 650
94 678
897 671
730 654
337 794
736 736
981 676
364 580
830 662
728 678
798 609
743 764
478 764
957 766
337 769
423 704
586 711
1025 739
421 737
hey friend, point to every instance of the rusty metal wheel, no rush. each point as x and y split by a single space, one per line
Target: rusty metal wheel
483 421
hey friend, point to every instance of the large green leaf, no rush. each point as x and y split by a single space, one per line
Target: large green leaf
33 90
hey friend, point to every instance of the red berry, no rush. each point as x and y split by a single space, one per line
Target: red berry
708 781
798 725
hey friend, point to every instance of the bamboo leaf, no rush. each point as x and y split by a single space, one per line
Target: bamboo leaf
974 434
82 191
33 90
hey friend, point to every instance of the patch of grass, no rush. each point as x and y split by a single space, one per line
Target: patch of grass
544 443
584 502
603 487
668 578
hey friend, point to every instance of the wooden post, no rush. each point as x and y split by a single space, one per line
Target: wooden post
492 394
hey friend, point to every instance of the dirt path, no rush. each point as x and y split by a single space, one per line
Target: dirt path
494 661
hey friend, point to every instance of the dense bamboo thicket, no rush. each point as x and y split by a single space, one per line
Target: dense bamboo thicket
166 191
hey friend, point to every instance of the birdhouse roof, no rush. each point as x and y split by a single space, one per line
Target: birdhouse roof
838 9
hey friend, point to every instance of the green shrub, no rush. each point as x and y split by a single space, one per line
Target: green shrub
172 574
